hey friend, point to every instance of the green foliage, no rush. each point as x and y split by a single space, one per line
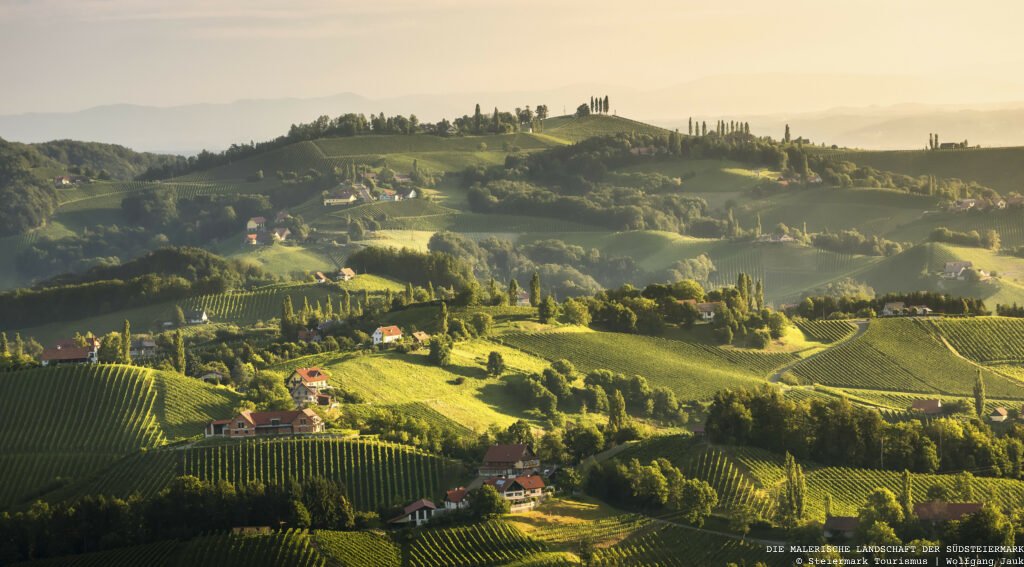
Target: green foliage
372 549
488 543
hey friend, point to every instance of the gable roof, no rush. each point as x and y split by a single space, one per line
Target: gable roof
842 523
389 331
926 405
456 495
421 336
264 418
998 412
412 508
66 353
311 374
938 511
258 220
347 272
530 482
507 453
708 307
894 305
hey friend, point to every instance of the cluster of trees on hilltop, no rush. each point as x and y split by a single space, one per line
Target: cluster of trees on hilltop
163 275
435 269
28 201
102 161
189 507
347 125
989 240
853 242
837 433
845 307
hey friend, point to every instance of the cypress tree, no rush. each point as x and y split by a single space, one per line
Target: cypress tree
287 317
535 289
179 351
19 346
513 292
442 320
906 495
5 349
408 293
979 395
703 128
689 129
430 290
126 343
617 417
786 138
605 105
346 303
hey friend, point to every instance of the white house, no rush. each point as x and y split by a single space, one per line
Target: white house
197 317
998 415
893 308
346 274
456 499
956 270
384 335
417 513
707 310
343 197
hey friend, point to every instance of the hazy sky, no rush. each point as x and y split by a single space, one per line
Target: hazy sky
67 55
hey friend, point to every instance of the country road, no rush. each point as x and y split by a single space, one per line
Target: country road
862 327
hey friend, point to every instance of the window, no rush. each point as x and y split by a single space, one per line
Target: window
302 421
241 425
275 422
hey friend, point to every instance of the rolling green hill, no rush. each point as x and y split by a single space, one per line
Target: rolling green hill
693 371
998 168
573 129
901 355
62 424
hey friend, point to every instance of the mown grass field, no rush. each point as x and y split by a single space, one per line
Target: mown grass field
901 355
63 424
693 371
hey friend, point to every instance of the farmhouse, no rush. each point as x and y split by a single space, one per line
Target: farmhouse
384 335
956 270
346 274
919 310
509 460
143 347
927 407
69 352
62 181
521 491
197 317
841 527
963 205
282 234
707 310
321 278
340 197
407 193
304 395
456 499
256 224
264 423
417 513
522 298
998 415
312 377
775 238
308 335
893 308
389 195
421 338
212 377
938 511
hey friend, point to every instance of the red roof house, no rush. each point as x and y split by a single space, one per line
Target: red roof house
509 460
265 423
418 513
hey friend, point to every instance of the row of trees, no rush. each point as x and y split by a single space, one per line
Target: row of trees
990 240
846 306
837 433
188 507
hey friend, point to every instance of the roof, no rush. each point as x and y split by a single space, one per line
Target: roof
264 418
411 508
958 266
67 353
258 220
708 307
312 374
894 305
282 232
456 495
507 453
505 484
389 331
998 412
347 272
926 405
530 482
842 523
421 336
938 511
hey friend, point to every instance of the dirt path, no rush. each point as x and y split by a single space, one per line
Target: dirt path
862 327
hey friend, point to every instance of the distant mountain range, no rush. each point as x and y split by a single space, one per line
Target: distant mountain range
830 108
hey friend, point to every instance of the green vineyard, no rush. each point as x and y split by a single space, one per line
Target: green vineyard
61 425
372 549
670 545
901 355
375 474
825 331
291 547
693 371
488 543
989 340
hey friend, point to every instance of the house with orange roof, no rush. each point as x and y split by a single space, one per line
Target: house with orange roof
267 423
385 335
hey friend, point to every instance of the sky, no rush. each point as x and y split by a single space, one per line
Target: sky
74 54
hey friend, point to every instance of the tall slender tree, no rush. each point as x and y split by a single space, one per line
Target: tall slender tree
689 129
535 289
605 105
617 416
979 395
179 351
442 320
907 494
126 343
786 137
287 317
513 292
5 349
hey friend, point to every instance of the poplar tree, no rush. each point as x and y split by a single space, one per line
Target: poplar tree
535 289
979 395
442 320
513 292
179 352
126 343
617 416
906 494
689 129
408 293
287 317
605 105
786 138
5 349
